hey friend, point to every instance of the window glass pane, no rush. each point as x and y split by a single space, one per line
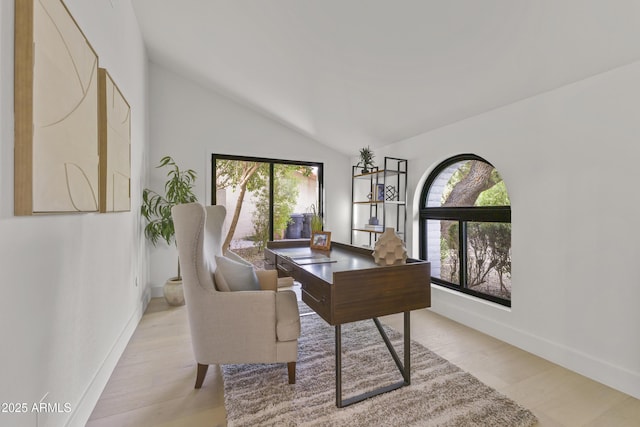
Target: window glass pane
443 251
496 195
241 186
295 200
489 258
442 184
468 183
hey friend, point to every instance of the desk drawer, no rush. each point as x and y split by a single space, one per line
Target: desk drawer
285 268
316 294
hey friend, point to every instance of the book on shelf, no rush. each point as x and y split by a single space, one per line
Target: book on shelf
373 227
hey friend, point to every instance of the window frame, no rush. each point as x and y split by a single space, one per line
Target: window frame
463 215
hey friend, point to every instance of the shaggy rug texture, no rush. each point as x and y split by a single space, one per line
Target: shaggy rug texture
440 394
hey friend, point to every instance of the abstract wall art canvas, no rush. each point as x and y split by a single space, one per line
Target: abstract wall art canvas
115 146
56 112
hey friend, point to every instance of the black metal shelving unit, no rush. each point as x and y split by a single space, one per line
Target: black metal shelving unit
382 194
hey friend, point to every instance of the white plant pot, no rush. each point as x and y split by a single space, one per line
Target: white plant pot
173 292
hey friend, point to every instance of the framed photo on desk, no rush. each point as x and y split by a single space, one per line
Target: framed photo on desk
321 240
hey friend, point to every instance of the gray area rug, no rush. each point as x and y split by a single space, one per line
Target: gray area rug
440 394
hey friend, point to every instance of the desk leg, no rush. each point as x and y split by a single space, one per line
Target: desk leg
338 367
405 369
407 347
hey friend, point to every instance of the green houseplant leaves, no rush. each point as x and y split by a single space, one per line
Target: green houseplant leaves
366 160
156 208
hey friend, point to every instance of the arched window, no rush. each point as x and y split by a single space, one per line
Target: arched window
465 228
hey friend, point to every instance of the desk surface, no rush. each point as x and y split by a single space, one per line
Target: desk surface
323 264
345 285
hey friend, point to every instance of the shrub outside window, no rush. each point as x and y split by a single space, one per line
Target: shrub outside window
465 228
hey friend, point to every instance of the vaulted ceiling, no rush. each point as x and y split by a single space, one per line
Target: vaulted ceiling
351 73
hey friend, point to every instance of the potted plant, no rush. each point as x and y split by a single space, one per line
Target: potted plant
366 159
156 209
316 219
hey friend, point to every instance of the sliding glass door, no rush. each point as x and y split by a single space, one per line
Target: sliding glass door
266 199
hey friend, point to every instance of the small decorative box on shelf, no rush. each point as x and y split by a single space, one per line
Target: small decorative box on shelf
370 227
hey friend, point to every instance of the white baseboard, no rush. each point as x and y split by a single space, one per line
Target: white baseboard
599 370
87 403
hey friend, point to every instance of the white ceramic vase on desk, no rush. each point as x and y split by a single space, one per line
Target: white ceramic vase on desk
389 249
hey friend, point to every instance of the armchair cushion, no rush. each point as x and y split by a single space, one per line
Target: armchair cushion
229 254
234 276
220 283
268 279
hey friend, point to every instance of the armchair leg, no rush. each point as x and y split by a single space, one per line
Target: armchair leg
202 372
291 367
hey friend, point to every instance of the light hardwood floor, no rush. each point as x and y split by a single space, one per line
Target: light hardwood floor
152 384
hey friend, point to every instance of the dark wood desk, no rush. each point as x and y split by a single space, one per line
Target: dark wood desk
345 285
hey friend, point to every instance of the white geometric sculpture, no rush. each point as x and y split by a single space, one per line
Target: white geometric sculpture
389 249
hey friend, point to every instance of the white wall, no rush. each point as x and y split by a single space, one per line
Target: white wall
570 161
190 122
72 285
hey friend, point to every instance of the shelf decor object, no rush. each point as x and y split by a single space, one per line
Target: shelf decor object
56 112
366 160
389 249
391 193
380 192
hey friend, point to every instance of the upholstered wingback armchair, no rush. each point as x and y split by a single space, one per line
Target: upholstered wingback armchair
232 327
